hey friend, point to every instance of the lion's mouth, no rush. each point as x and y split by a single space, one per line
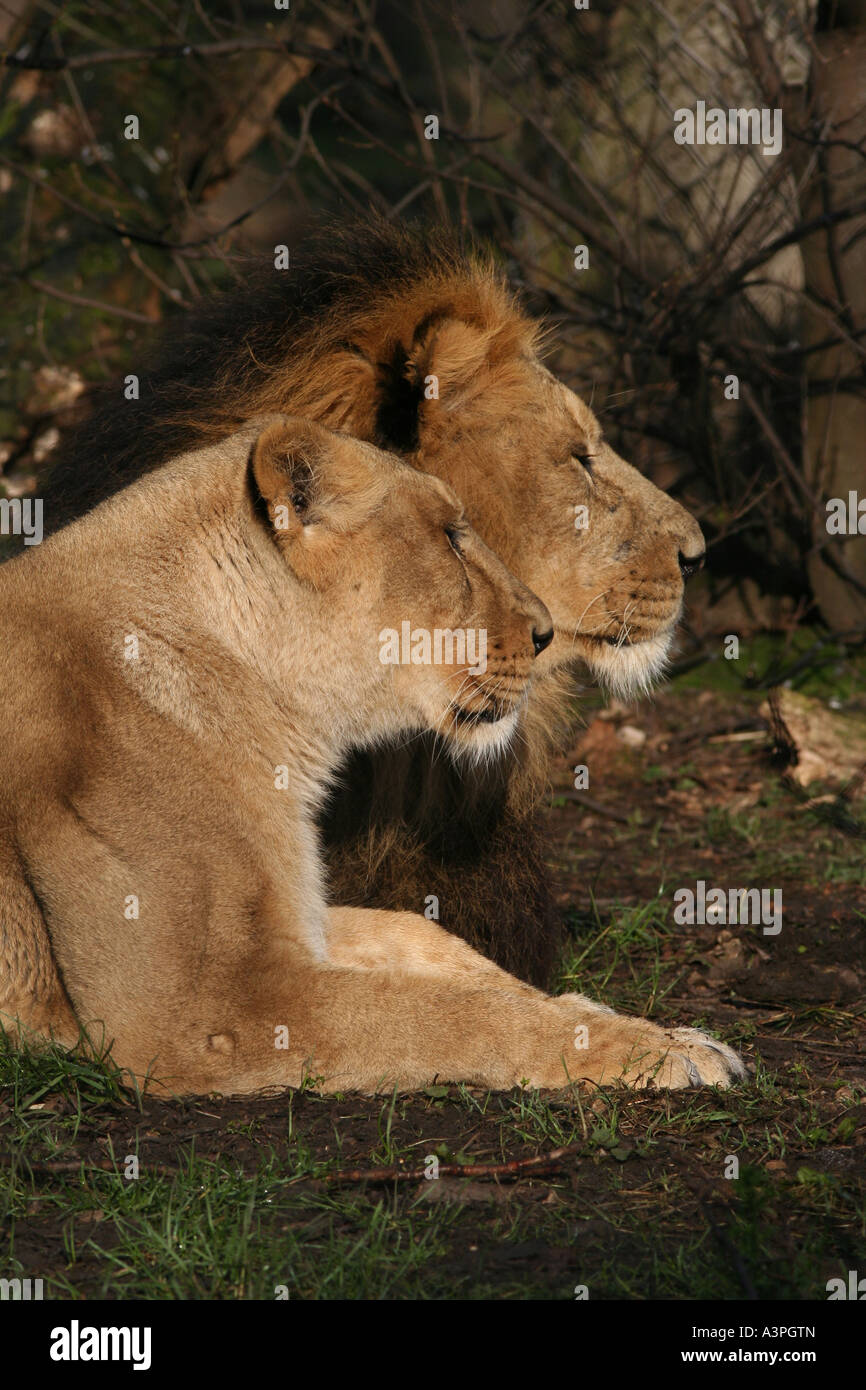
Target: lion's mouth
488 714
623 640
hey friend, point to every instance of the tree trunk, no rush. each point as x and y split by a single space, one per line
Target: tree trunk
835 265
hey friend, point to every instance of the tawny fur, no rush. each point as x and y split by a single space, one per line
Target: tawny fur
354 336
182 671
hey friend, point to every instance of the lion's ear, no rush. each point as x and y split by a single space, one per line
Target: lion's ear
443 368
449 363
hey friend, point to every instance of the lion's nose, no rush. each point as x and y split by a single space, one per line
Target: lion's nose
540 640
690 564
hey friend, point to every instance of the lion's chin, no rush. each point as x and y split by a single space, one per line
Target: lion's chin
627 671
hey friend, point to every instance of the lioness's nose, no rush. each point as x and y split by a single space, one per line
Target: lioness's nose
690 564
540 640
534 614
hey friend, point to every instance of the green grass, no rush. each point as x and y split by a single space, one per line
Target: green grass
627 1219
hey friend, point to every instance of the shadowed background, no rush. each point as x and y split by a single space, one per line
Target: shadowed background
555 131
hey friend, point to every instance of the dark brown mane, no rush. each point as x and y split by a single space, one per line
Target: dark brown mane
265 343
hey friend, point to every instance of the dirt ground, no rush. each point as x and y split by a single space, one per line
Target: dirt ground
753 1193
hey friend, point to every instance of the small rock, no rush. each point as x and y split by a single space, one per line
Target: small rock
632 736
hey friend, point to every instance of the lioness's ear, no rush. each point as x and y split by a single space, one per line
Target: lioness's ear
316 487
286 465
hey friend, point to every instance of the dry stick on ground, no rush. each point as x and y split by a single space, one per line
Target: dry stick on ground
100 1165
590 804
517 1168
711 731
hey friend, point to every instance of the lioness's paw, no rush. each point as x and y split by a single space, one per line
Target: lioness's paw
611 1049
708 1061
696 1059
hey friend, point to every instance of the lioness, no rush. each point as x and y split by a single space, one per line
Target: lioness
182 671
401 338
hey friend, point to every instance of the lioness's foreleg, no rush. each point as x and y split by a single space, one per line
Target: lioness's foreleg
375 938
374 1028
372 938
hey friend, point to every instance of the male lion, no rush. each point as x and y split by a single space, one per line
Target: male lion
400 338
182 671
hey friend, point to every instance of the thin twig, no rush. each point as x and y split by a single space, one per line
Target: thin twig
591 805
83 302
517 1168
